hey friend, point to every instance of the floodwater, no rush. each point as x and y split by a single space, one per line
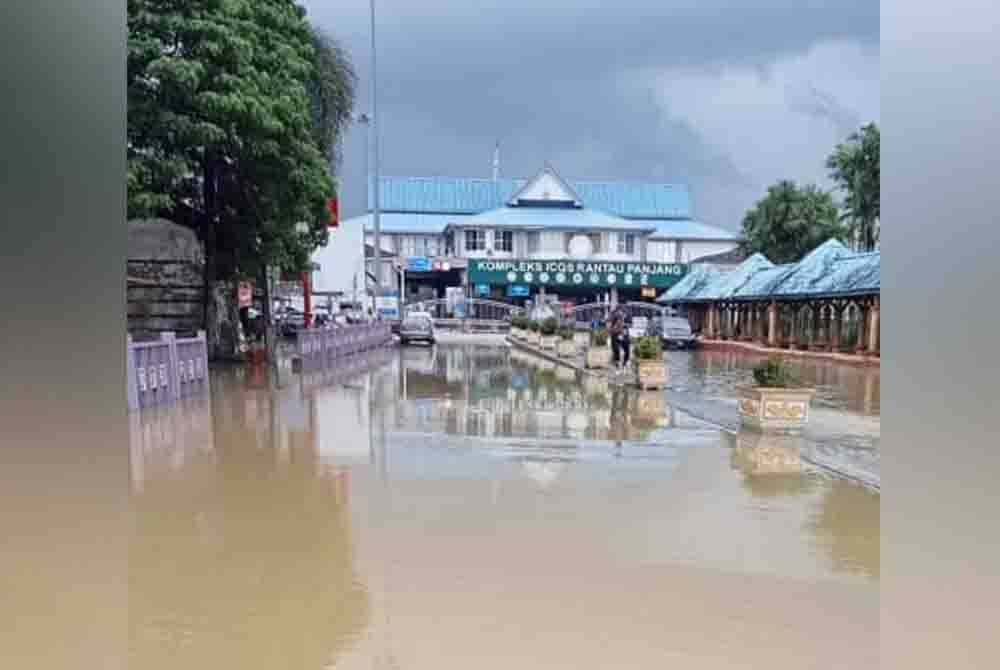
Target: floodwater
471 507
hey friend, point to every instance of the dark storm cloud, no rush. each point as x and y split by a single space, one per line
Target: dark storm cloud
557 81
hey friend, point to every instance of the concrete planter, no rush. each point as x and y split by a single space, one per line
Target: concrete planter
774 410
581 339
531 337
567 349
650 374
548 342
597 358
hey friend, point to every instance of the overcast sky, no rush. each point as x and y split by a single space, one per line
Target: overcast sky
724 96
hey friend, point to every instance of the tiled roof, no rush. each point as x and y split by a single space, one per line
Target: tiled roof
395 222
830 269
697 278
552 218
689 230
450 195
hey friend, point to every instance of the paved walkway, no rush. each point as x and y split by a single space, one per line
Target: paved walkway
843 443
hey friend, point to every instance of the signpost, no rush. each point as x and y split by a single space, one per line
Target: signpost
579 274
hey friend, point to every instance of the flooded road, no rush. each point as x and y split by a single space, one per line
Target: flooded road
466 506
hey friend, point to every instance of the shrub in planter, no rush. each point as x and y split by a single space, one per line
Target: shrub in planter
567 348
777 401
650 370
531 334
548 330
598 355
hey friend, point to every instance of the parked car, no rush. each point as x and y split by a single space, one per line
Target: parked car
677 333
417 327
290 321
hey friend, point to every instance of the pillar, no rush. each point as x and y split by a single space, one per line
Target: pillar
861 341
818 331
793 330
614 297
873 327
772 324
833 328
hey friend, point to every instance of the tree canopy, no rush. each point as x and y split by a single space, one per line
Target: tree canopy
854 167
234 110
790 221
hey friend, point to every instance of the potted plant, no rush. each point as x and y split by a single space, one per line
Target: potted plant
532 335
650 370
598 355
517 325
548 329
776 402
567 347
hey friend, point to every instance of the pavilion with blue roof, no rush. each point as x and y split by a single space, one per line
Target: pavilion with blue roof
828 301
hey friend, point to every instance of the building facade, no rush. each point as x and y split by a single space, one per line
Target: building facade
511 239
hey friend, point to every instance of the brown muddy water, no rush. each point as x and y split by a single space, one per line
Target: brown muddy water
469 507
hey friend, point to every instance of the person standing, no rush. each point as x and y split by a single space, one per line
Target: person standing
620 340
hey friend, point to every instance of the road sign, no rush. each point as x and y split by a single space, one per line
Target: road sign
517 291
418 264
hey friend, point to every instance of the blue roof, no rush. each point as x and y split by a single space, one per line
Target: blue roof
695 281
729 283
551 218
395 222
456 195
690 230
828 270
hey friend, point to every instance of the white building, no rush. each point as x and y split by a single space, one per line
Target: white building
454 232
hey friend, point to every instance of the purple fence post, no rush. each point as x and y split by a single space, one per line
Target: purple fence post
131 383
173 379
203 354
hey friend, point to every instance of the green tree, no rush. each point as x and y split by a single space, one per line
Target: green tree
854 167
790 221
234 107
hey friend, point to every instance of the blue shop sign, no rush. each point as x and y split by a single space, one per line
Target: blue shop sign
517 291
482 289
418 264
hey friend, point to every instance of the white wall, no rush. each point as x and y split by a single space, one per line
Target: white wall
341 260
694 250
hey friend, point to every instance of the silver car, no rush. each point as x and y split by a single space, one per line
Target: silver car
677 333
417 327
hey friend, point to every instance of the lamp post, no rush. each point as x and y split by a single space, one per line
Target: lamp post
375 161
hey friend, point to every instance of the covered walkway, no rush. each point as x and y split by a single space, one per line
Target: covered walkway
828 301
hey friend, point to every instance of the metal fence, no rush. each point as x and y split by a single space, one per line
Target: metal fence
318 347
165 370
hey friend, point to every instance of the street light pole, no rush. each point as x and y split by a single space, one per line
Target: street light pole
375 162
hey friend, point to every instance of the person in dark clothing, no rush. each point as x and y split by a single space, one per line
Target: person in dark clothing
621 344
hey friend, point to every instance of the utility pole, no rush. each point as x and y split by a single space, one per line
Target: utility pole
375 162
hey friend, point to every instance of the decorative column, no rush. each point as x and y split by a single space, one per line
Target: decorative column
818 341
793 330
861 342
873 327
772 324
833 329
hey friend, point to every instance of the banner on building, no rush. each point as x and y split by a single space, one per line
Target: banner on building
581 274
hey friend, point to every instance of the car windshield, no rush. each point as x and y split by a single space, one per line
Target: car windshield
677 325
416 322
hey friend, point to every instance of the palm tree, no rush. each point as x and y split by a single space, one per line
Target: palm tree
854 166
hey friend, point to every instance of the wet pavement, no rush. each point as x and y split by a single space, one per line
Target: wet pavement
472 506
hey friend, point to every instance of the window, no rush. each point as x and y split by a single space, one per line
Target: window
503 240
626 243
475 240
534 243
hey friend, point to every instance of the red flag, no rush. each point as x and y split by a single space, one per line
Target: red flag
331 205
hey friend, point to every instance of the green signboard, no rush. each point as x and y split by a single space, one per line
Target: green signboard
579 274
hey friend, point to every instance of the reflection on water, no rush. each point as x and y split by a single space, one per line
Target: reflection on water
467 506
241 551
838 386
